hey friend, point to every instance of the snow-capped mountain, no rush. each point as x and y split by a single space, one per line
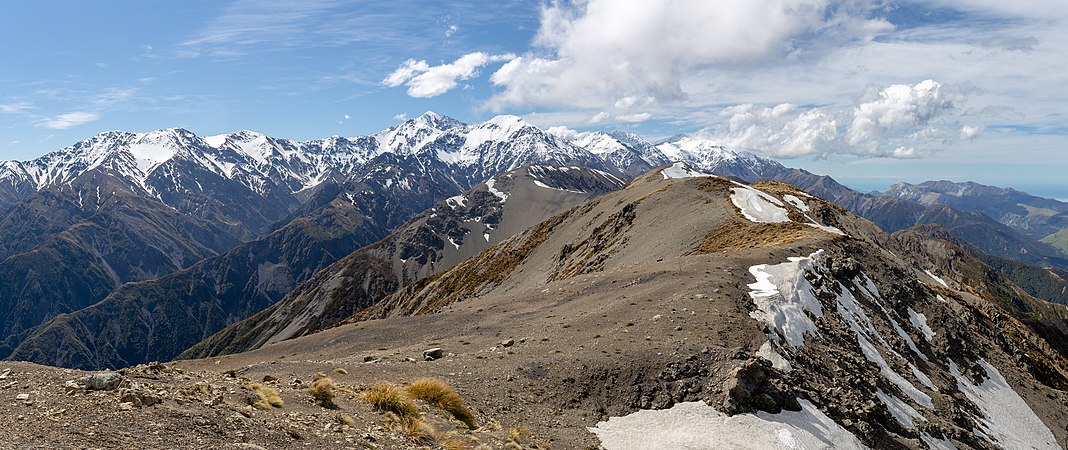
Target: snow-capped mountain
707 156
175 161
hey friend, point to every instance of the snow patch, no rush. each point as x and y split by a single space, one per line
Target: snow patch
682 170
798 203
501 195
758 206
543 185
767 351
937 444
905 414
936 278
783 296
919 322
697 426
1007 419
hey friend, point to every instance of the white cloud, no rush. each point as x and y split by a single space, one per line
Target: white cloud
64 121
898 121
608 52
634 118
347 117
425 81
14 108
886 117
401 116
599 117
564 133
784 130
451 30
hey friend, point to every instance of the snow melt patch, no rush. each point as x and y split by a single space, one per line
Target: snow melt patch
937 444
919 322
758 206
936 278
697 426
501 195
543 185
1007 419
767 351
798 203
682 170
905 414
783 296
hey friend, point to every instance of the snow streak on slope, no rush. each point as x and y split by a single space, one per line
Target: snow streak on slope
697 426
783 299
1007 419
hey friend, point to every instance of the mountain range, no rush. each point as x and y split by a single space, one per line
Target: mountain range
598 291
221 233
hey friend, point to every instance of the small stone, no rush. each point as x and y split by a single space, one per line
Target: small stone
508 343
5 374
369 358
411 360
678 328
431 354
269 378
22 397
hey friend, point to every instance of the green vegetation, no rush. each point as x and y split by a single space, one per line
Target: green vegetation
1058 240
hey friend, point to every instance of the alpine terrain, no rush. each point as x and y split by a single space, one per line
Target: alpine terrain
686 310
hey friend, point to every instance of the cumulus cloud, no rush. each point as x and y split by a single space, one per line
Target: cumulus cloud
896 121
633 52
564 133
899 114
64 121
424 80
783 130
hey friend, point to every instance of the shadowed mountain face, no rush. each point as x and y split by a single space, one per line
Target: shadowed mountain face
436 239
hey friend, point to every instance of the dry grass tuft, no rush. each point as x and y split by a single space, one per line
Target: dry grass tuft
341 371
322 389
345 419
386 396
735 235
419 432
443 396
454 444
516 434
266 397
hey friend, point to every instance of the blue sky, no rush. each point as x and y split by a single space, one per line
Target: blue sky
870 92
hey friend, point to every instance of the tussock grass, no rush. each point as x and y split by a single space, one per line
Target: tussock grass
442 396
266 397
386 396
341 371
322 390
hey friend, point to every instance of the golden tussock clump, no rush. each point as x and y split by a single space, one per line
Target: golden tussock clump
738 235
442 396
322 389
266 397
386 396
